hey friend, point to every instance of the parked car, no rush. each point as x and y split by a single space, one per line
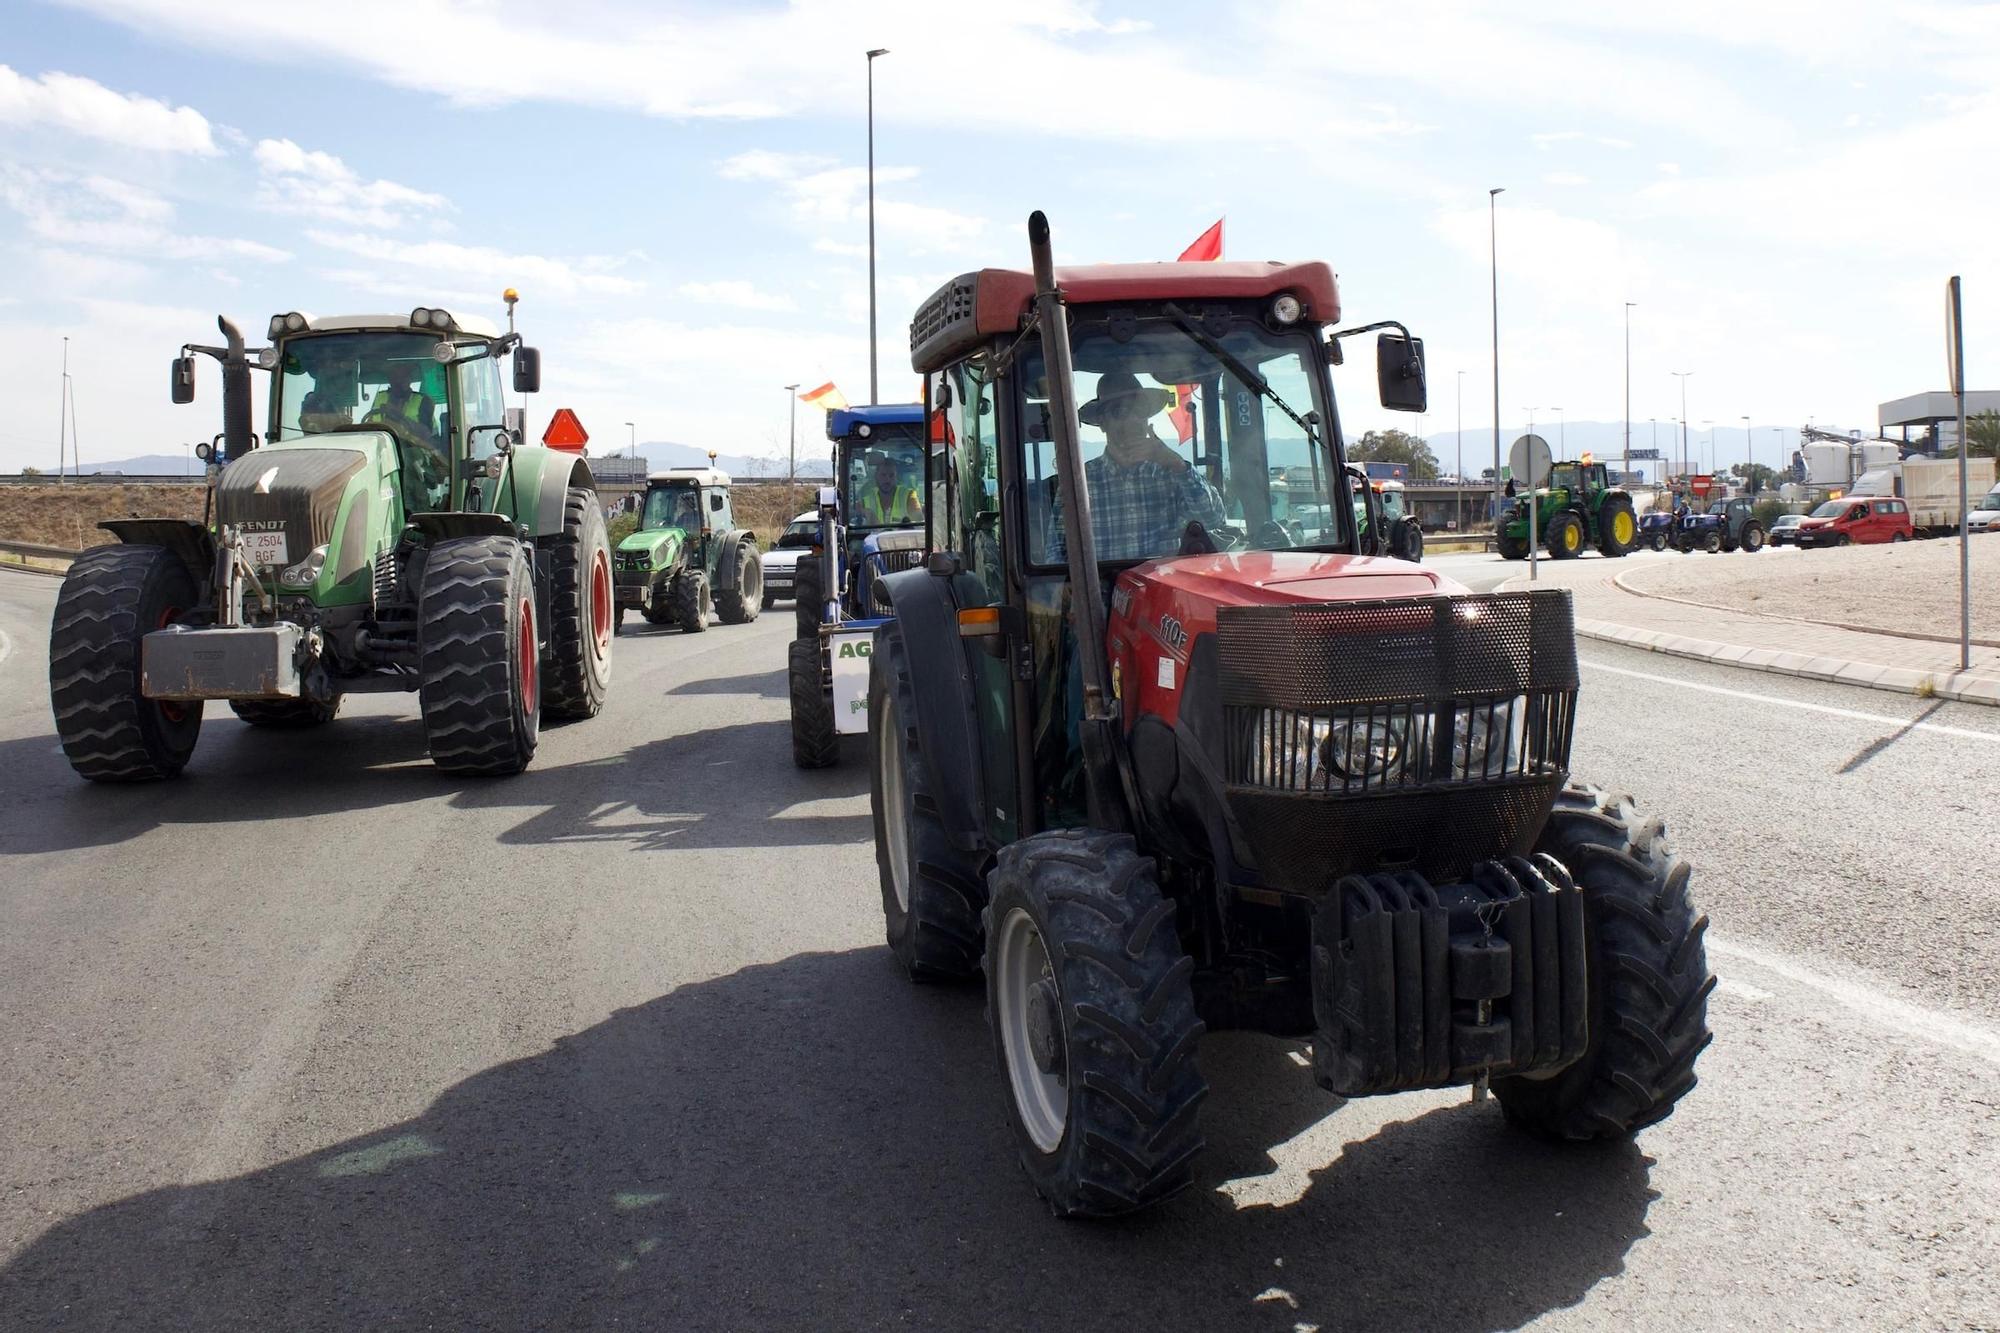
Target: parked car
781 562
1985 516
1785 530
1857 520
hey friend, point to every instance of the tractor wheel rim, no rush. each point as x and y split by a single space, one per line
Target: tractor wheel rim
1571 537
895 814
525 646
1622 527
1021 962
600 600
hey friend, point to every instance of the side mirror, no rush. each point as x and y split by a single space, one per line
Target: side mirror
183 379
527 370
1334 355
1399 373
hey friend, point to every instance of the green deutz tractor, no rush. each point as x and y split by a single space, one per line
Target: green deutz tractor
1578 508
687 556
389 533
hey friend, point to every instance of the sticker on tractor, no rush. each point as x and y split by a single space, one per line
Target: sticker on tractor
1166 673
849 653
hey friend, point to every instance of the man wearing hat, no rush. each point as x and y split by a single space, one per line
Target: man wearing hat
884 502
1142 493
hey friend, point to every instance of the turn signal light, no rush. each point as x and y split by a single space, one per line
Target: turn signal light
978 622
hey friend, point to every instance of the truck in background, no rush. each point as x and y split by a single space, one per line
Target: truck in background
1930 486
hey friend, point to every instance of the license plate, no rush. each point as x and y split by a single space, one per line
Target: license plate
265 548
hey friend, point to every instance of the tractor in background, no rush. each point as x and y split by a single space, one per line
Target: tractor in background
1727 525
389 532
687 557
1578 508
871 524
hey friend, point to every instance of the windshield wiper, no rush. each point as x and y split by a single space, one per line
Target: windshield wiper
1235 366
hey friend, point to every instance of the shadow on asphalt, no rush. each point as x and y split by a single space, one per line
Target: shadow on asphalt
1876 747
768 685
814 1143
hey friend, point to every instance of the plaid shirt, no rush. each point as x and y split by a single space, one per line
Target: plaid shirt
1138 512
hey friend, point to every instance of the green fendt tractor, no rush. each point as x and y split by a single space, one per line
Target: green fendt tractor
389 532
687 556
1579 507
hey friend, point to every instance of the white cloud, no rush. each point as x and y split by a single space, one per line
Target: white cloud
98 213
86 107
827 197
741 295
318 185
559 277
1564 178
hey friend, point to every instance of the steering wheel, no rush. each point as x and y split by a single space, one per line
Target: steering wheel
1272 535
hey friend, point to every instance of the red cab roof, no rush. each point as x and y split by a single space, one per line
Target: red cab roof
975 306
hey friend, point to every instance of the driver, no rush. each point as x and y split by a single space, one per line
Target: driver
1142 493
405 403
687 513
883 502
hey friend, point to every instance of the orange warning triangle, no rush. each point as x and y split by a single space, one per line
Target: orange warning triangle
565 432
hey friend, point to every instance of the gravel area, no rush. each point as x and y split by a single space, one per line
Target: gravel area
1909 586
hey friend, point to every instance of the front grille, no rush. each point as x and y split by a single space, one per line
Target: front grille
1420 732
388 578
296 489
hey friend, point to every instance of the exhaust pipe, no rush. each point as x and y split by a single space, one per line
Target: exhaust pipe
237 436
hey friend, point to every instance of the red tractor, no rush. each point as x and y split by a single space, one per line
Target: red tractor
1280 785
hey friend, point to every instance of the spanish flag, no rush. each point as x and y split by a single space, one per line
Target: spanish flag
825 396
1207 247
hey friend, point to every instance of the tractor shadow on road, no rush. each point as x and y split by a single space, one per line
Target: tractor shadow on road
768 685
726 787
239 774
815 1143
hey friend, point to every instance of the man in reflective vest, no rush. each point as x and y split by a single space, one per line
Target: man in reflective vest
884 503
404 404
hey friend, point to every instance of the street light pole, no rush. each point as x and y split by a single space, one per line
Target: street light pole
792 470
1562 438
633 438
1682 376
1493 249
1460 436
1749 459
1628 386
62 416
874 385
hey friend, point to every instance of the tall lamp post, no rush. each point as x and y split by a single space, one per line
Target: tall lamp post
1460 436
792 469
633 440
1493 249
874 386
1749 456
1562 435
1628 386
1682 376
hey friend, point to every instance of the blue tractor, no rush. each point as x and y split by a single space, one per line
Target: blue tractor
871 524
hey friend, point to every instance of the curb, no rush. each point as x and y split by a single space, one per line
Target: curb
1960 687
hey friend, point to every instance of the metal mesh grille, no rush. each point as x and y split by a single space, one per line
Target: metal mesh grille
388 573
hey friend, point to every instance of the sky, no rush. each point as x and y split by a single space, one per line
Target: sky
679 191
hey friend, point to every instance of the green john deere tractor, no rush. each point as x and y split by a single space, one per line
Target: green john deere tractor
388 533
687 556
1579 507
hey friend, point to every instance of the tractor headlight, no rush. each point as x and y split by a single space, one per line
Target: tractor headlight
1290 749
1488 738
305 573
1286 309
1367 749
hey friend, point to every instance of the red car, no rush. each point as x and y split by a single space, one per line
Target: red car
1858 519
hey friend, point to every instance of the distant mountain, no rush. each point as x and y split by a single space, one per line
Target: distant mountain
660 454
149 465
1606 440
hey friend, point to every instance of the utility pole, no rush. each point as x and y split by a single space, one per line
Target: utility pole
1562 436
874 385
1682 376
1493 249
1628 386
1460 436
62 417
633 441
792 469
1749 458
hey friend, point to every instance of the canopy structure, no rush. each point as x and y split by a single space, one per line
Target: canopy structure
1931 410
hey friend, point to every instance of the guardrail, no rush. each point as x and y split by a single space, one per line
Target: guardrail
106 479
30 551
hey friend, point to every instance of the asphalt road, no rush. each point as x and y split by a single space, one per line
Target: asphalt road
316 1037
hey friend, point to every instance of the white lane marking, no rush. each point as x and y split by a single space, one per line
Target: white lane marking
6 645
1743 990
1938 727
1886 1010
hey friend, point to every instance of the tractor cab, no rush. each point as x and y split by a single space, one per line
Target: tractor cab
687 557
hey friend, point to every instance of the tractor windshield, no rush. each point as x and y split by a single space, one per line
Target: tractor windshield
675 505
882 478
1171 437
1565 476
336 381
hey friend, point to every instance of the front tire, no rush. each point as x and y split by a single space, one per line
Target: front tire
286 714
1712 543
1617 528
1649 980
688 603
1565 536
807 581
930 899
738 605
1753 537
1093 1022
581 614
479 663
111 599
1510 547
815 744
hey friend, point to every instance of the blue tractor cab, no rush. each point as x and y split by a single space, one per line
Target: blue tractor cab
871 525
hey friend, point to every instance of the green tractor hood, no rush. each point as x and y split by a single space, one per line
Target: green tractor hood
662 546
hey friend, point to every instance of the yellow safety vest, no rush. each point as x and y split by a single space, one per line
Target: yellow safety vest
902 506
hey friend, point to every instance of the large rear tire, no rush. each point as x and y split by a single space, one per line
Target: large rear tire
286 714
738 605
479 659
815 744
582 614
1649 980
1753 537
111 599
1094 1022
1617 527
930 899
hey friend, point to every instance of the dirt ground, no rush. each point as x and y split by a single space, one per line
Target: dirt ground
67 514
1910 586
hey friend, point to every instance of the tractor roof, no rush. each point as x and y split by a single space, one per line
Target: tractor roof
976 306
471 324
705 476
841 422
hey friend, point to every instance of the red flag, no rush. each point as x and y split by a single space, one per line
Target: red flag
1207 246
